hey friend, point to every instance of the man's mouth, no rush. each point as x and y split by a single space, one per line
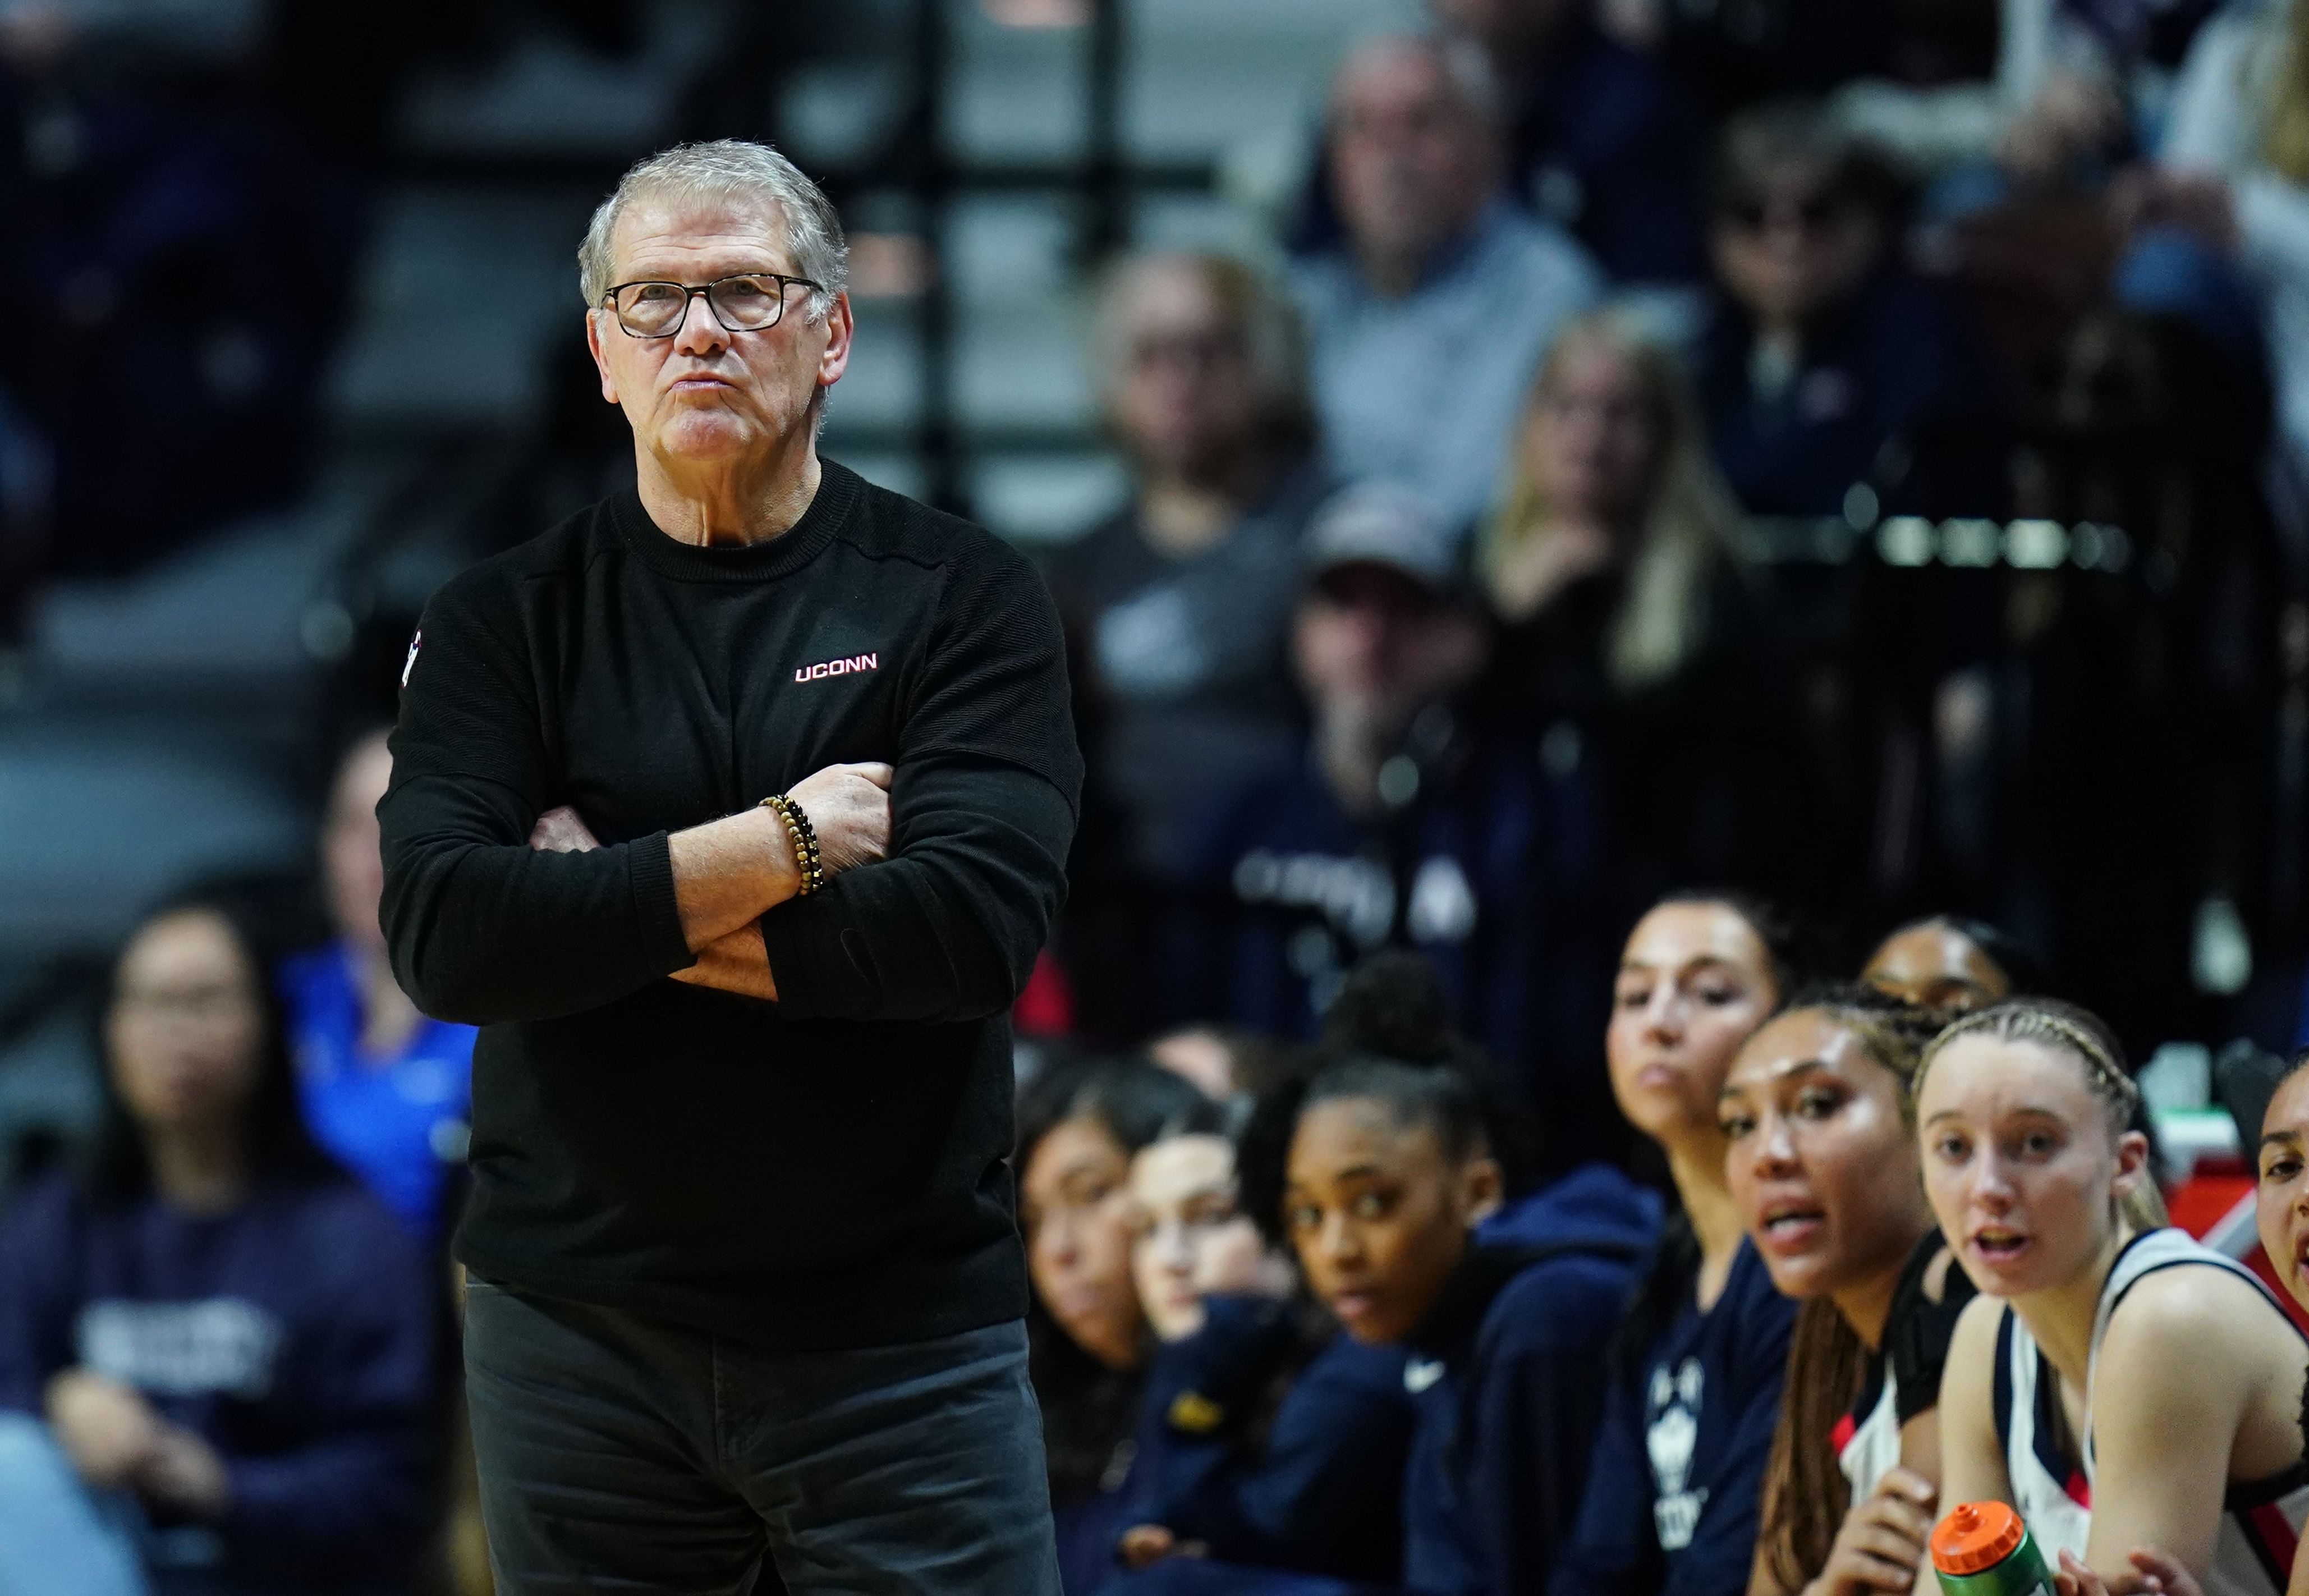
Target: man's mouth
1355 1306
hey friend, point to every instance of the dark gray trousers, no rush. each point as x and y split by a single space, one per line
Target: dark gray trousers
619 1452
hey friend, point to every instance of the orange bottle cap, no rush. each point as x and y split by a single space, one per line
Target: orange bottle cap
1974 1536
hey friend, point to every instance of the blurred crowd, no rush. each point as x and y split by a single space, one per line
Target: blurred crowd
1844 455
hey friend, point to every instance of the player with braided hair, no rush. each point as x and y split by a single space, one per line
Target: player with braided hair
2120 1384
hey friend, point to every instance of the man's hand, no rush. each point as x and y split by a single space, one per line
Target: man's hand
562 830
108 1430
1882 1539
848 808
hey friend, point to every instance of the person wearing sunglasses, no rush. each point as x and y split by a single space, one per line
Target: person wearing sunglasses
733 809
1835 382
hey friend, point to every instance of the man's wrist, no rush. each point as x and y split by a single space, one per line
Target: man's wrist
802 839
778 850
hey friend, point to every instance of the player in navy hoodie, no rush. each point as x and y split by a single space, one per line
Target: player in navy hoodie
1390 1175
216 1348
1671 1503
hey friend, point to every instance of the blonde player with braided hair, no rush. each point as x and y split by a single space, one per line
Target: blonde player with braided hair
2120 1384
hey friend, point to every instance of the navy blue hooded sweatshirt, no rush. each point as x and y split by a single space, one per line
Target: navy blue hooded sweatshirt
1672 1487
1508 1372
294 1334
1322 1491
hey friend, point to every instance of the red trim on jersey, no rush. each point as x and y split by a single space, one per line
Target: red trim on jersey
2274 1531
2080 1489
1841 1436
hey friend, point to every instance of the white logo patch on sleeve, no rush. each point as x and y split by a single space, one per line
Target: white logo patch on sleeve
410 663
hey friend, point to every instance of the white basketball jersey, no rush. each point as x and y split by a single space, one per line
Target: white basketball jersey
2261 1522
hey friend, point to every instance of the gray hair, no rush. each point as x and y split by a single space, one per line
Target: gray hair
717 173
1466 65
1272 333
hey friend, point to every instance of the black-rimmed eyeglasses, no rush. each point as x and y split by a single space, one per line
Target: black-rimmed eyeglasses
747 303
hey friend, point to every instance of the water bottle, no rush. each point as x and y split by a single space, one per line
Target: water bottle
1982 1548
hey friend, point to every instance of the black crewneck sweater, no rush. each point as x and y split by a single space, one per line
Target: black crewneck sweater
820 1172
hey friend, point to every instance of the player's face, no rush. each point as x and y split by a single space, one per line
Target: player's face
1075 1206
2282 1199
1379 1213
1819 1158
2022 1165
1694 982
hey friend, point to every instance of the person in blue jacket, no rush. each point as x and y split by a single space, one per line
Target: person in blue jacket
387 1090
1405 824
216 1348
1672 1492
1835 381
1390 1175
1268 1439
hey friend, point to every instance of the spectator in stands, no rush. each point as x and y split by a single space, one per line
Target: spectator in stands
386 1090
1671 1498
1834 382
1178 607
1991 101
145 142
1599 138
1405 825
1391 1169
1953 965
215 1348
1429 319
1624 617
2222 222
1603 560
1817 1115
1732 58
1079 1125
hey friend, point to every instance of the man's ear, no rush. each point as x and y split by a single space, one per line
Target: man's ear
593 343
1481 1189
840 327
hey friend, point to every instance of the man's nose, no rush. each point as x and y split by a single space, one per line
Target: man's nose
699 333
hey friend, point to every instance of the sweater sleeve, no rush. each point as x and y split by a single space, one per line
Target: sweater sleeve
482 928
35 1315
1614 1541
1532 1427
354 1492
983 813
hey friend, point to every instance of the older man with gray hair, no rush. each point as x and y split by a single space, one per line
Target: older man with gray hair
734 809
1429 326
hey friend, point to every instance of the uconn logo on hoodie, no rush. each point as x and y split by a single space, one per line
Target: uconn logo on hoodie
222 1346
838 667
1673 1427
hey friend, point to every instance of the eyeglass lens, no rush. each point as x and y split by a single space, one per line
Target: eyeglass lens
740 304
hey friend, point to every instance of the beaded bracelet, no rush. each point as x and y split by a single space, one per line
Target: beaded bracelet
805 841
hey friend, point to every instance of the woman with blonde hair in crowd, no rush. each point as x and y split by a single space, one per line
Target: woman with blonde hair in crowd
1622 612
1614 522
1822 1161
2119 1383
